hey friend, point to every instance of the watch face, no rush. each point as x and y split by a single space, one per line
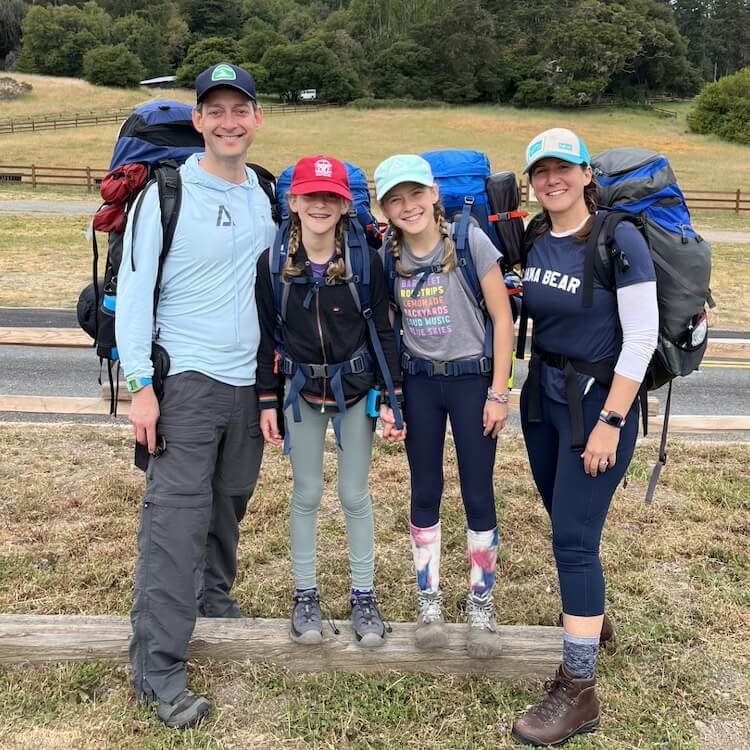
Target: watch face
134 385
614 419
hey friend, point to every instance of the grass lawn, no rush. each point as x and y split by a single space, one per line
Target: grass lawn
46 261
678 590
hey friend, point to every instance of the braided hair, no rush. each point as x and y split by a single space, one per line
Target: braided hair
336 270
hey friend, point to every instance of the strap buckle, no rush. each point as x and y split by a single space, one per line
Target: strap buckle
357 364
485 365
318 371
440 368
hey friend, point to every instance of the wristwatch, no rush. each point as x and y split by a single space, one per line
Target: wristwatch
612 418
136 384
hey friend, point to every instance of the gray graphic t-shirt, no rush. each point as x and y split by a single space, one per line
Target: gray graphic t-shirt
442 322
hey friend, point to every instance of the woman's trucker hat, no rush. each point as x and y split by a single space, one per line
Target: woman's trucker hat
320 174
401 168
558 143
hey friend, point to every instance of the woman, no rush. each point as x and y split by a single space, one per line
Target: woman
578 407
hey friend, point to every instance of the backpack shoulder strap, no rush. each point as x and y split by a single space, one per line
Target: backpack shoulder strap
267 182
276 259
169 185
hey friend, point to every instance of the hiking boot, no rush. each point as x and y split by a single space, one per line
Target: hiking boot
305 623
367 622
569 708
481 638
606 637
186 710
430 631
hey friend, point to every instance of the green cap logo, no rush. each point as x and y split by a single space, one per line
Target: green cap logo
223 72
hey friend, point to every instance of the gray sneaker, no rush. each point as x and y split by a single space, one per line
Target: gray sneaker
186 710
481 637
306 625
430 631
367 622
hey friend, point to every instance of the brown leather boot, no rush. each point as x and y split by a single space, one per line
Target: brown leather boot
569 708
606 637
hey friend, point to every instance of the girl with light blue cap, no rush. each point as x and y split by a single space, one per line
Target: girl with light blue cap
578 408
446 375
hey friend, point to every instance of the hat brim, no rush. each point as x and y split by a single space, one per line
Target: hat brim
382 190
225 84
305 187
562 155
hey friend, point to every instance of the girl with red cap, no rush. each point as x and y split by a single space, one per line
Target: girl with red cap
325 355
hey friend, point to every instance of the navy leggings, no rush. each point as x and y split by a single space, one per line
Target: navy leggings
576 502
428 401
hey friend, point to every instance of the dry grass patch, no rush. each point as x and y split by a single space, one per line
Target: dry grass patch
678 590
44 261
730 282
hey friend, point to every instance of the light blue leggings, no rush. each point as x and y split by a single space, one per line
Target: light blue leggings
307 448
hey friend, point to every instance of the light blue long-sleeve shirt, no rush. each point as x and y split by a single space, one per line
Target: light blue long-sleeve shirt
206 317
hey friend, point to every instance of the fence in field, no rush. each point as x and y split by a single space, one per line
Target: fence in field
62 120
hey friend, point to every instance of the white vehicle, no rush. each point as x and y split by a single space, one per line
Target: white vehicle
308 95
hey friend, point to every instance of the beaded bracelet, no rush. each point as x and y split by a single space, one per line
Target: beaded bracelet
499 397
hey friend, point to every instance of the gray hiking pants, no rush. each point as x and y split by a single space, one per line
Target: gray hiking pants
196 495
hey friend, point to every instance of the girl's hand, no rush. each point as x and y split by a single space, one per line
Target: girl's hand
601 449
270 428
390 433
494 417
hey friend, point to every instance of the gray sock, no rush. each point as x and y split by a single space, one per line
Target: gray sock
579 654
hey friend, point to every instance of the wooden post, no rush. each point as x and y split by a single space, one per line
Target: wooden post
33 176
737 202
88 179
528 651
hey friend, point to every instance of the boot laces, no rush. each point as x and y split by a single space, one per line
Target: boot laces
481 612
556 701
369 608
430 605
310 601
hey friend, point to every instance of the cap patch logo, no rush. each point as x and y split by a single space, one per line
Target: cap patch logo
565 146
223 73
323 168
534 148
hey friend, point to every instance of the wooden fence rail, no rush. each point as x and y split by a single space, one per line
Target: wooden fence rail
88 119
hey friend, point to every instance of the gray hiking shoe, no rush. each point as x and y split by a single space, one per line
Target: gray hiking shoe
430 631
481 637
306 625
367 622
186 710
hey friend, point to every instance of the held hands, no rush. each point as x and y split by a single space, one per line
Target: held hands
144 414
601 449
269 426
390 433
494 417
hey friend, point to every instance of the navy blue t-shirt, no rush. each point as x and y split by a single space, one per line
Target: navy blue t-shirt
553 296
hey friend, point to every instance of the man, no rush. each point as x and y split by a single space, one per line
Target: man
203 435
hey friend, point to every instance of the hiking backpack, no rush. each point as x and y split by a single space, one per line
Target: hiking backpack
639 186
150 146
363 231
471 194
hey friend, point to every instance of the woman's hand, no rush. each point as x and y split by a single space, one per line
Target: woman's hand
269 426
601 449
494 417
390 433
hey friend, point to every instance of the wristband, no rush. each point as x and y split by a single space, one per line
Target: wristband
136 384
499 397
612 418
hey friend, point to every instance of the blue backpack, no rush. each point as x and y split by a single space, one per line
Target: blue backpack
362 231
470 194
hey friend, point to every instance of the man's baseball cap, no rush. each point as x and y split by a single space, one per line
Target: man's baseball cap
320 174
401 168
558 143
224 74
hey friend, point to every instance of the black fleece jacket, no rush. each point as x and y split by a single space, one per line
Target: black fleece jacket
331 330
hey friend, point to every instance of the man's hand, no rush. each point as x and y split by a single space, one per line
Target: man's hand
269 426
144 414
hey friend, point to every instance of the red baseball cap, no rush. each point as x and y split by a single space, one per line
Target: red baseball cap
320 174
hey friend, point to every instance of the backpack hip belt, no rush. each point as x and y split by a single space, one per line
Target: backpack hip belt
602 372
299 372
430 367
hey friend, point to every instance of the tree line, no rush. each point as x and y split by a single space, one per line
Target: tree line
541 52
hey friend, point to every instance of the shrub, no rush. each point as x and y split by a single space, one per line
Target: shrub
723 108
204 54
112 65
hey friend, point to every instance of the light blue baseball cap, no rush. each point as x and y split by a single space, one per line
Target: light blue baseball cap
401 168
557 143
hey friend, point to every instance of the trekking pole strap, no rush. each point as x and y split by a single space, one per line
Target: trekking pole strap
662 461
